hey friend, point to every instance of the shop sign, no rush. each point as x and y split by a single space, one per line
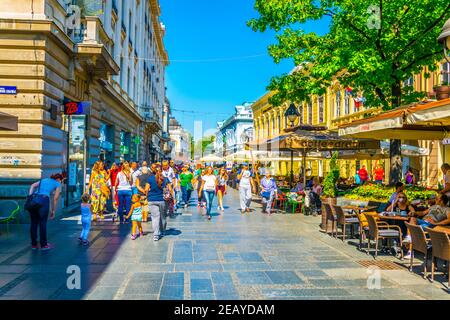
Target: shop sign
8 90
124 150
73 174
76 108
137 140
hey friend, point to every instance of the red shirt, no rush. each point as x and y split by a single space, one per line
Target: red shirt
379 173
113 175
363 175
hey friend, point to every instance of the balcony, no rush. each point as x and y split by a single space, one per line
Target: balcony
93 50
151 118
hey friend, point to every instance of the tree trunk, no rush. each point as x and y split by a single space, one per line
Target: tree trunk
395 151
396 161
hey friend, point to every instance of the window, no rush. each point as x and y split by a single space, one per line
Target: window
279 123
321 110
347 104
310 112
338 104
409 82
445 73
300 109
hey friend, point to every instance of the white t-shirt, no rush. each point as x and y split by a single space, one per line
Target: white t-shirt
124 184
210 182
245 179
169 174
135 175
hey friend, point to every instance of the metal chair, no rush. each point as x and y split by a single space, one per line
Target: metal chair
9 211
419 243
440 249
379 231
343 220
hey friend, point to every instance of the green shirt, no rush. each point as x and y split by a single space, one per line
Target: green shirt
185 179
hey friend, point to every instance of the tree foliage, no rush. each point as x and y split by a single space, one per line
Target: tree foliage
329 183
372 45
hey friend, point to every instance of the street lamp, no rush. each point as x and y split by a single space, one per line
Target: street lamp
292 114
444 38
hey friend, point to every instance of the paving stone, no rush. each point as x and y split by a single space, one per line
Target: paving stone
284 277
256 277
201 286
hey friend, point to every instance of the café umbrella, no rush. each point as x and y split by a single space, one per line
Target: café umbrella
211 158
306 139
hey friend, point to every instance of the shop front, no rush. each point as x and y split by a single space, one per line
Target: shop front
125 142
106 143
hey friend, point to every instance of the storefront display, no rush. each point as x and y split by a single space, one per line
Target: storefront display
106 143
76 156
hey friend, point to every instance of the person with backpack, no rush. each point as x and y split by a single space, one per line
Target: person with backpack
39 206
159 191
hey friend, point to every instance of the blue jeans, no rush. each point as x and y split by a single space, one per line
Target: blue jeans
424 224
124 203
86 224
209 197
39 219
134 190
186 194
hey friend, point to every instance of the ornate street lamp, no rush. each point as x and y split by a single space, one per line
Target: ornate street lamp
444 38
292 115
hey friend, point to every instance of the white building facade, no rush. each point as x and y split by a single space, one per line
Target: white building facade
235 131
181 139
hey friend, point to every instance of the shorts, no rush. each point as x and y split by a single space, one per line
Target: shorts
220 188
136 217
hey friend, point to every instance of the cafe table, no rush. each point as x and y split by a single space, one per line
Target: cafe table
357 209
394 217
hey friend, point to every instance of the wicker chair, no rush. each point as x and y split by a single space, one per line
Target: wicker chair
343 220
441 249
379 231
419 243
330 217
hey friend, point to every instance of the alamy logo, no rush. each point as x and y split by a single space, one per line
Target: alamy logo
374 20
74 279
374 278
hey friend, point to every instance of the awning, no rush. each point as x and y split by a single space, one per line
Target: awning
310 139
420 121
8 122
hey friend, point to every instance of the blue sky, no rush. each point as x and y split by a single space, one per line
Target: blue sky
234 65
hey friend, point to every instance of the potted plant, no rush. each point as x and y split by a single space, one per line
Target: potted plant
329 187
442 91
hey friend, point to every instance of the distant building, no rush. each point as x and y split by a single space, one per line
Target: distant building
181 139
233 132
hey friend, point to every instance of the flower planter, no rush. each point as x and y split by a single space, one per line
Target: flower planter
442 92
323 225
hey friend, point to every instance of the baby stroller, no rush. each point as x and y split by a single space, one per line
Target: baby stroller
313 204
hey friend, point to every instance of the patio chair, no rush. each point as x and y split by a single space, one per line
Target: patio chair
382 231
419 243
440 249
344 220
9 211
364 225
329 217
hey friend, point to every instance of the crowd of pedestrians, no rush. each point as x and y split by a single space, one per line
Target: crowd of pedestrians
139 193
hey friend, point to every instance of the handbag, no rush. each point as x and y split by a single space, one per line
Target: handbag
32 203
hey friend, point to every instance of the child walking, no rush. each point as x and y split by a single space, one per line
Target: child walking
136 216
86 218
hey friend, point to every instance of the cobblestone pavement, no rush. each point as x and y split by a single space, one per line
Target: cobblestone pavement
234 256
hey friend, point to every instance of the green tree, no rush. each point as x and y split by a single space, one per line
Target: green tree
205 144
329 183
372 45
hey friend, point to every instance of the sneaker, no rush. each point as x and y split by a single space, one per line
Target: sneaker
185 206
219 208
141 234
155 238
86 243
80 239
209 217
407 239
34 247
407 256
223 209
47 247
133 237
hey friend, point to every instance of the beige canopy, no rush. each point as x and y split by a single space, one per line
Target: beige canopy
421 121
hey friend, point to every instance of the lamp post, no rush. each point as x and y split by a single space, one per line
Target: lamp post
292 115
444 38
